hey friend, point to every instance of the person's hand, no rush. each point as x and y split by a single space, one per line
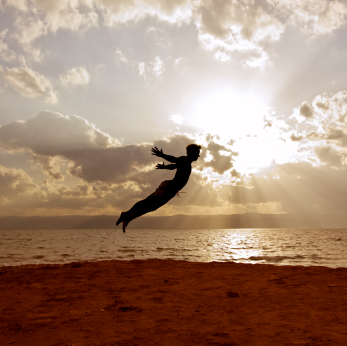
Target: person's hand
157 152
159 166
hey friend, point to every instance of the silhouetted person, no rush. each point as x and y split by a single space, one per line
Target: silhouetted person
168 188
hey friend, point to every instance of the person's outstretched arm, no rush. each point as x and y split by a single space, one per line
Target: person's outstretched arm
171 167
159 153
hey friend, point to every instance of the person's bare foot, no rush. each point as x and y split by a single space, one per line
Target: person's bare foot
120 218
125 224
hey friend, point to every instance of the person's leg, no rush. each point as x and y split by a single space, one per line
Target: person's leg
142 207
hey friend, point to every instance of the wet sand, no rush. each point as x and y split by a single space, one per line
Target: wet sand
166 302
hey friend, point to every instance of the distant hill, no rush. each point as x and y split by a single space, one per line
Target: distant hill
248 220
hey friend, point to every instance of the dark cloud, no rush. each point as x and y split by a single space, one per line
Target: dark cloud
117 165
335 134
219 163
93 154
329 156
235 174
296 138
321 105
306 111
109 165
337 137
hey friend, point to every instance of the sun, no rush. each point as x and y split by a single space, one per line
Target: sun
240 118
229 114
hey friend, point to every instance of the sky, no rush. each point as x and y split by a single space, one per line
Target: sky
88 87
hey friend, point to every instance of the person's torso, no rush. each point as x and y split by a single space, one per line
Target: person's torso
184 168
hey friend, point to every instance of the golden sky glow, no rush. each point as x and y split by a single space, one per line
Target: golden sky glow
87 87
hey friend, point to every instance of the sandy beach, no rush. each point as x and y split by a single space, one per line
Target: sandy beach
165 302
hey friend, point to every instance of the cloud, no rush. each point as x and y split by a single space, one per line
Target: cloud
94 155
50 198
114 177
224 19
14 182
329 156
52 134
177 118
328 123
121 57
235 174
246 27
222 56
157 66
30 84
142 69
28 29
236 26
314 17
124 11
75 76
96 158
219 163
178 61
3 45
5 53
21 5
322 137
109 165
296 138
127 163
49 165
260 59
81 190
37 18
306 111
153 68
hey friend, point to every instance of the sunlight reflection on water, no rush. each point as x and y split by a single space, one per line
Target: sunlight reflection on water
271 246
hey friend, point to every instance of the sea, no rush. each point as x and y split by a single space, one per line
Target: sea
303 247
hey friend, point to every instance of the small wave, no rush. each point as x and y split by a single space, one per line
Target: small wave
126 250
275 258
38 257
167 249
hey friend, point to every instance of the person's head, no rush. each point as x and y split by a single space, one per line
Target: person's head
193 151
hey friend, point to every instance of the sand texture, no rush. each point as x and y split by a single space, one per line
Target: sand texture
166 302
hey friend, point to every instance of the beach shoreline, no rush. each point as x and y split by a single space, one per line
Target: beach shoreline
172 302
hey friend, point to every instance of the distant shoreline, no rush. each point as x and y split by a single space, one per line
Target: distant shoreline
248 220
